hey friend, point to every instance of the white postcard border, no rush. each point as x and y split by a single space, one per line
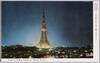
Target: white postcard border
95 45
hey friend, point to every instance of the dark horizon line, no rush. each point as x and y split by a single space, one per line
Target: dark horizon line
53 46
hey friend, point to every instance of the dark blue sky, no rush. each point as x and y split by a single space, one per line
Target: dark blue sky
67 23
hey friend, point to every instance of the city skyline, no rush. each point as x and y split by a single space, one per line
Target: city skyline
67 23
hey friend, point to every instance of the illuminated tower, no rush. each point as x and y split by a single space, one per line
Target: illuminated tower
43 41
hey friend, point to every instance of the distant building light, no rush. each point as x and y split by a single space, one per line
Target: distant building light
30 56
56 46
66 56
74 50
28 51
86 51
47 52
81 54
89 54
70 56
63 52
50 49
58 52
63 46
57 56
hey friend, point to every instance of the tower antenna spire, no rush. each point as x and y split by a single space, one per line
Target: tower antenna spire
43 5
43 25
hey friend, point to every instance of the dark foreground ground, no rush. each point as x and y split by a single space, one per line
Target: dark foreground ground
19 51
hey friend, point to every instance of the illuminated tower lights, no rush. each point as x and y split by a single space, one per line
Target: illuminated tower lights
43 41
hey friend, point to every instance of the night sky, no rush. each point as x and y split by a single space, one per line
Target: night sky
67 23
